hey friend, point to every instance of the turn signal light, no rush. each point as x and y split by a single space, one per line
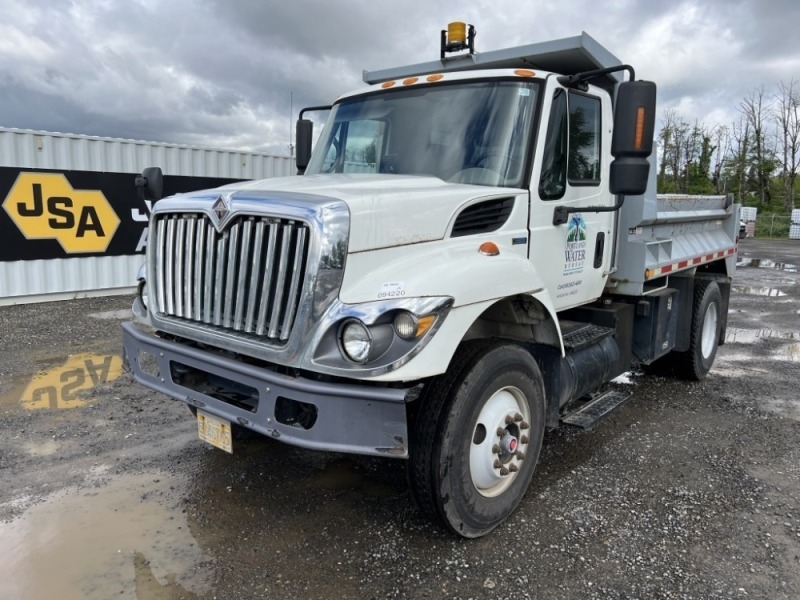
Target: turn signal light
489 249
638 142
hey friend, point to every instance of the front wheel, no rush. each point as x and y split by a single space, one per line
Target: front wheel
477 437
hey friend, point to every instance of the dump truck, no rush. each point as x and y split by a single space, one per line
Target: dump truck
472 251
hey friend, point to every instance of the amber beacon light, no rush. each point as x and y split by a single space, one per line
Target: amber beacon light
457 37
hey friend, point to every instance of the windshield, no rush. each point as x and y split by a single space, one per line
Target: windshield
472 132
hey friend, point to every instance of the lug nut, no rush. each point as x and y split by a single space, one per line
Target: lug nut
497 464
513 468
524 439
496 449
520 456
503 471
500 432
509 419
524 425
517 417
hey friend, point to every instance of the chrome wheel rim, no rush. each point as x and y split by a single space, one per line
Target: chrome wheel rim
709 335
499 441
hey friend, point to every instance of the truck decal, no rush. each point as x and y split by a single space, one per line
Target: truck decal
575 247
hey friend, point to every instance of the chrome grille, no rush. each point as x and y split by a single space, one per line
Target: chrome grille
246 279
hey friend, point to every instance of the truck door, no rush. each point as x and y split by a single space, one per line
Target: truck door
571 168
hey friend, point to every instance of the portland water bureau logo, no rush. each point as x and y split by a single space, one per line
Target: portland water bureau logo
46 206
575 247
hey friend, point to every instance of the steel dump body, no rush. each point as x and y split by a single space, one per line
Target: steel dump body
669 234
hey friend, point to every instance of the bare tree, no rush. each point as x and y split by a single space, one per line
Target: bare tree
722 136
755 110
787 116
741 137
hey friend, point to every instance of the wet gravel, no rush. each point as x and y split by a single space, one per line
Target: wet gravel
690 491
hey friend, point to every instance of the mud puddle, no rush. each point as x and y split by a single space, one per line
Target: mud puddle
761 263
735 335
63 382
758 291
123 540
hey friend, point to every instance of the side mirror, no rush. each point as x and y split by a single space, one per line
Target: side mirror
304 133
150 184
632 142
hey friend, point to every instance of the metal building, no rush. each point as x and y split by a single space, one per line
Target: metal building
71 224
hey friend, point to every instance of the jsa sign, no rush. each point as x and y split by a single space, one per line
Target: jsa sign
62 214
45 206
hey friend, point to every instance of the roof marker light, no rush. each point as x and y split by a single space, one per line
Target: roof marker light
435 77
410 80
525 73
388 84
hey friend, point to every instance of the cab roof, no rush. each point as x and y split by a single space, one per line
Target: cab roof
565 56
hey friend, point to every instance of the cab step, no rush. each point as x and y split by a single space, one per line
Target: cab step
595 410
576 335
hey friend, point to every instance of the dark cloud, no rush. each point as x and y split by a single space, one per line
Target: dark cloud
225 73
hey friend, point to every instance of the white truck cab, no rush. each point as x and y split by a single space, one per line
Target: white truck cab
473 249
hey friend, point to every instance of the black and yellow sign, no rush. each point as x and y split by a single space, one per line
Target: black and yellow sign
62 214
45 206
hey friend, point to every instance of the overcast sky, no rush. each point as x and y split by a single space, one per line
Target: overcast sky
221 73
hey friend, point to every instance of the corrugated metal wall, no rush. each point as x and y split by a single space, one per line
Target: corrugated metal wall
35 280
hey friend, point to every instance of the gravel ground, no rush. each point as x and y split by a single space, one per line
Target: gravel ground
687 491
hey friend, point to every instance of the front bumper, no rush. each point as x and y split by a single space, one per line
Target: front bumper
352 418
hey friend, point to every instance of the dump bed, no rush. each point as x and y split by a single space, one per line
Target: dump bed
660 235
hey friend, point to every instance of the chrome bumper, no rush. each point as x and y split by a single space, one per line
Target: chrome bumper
350 418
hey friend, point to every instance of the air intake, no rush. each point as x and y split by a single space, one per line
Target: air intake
486 216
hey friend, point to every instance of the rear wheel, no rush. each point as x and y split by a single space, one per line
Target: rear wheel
477 437
696 362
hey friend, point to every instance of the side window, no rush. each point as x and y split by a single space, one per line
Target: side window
553 180
584 139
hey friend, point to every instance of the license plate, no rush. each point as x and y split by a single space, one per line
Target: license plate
215 431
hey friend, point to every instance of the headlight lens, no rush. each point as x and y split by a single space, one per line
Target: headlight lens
356 340
405 324
409 326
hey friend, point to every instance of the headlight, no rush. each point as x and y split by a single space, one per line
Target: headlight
356 340
405 324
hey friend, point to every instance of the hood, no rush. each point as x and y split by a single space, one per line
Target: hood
385 210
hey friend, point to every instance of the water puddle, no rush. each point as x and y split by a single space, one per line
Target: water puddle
790 352
751 336
346 475
123 540
64 382
762 263
758 291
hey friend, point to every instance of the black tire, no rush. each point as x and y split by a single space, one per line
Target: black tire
490 380
696 362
